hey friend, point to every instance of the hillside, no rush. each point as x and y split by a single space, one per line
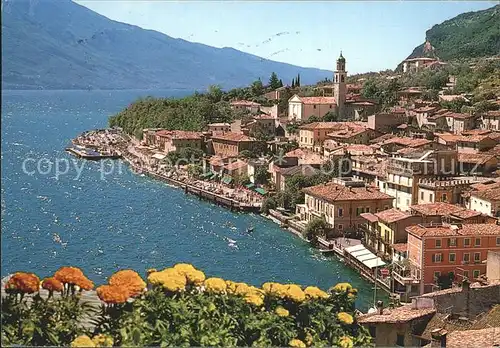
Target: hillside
468 35
51 44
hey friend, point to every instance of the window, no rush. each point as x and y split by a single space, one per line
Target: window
452 257
421 195
400 340
466 258
477 257
438 243
437 274
431 197
341 227
466 274
311 140
475 273
373 331
437 258
477 242
498 240
467 242
452 242
315 106
341 212
443 197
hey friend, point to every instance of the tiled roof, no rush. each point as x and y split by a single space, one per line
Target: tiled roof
465 214
447 137
347 132
449 230
295 153
333 192
411 90
426 109
232 137
489 337
369 216
235 165
220 124
392 215
397 315
321 125
305 170
318 100
401 247
451 97
495 113
411 142
216 161
476 158
433 209
244 103
381 138
492 195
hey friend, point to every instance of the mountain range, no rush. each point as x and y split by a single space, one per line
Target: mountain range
49 44
468 35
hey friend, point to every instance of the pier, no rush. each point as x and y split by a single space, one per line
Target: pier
90 154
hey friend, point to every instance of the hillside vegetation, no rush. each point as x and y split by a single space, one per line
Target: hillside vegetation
468 35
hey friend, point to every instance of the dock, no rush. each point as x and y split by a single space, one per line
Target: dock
90 154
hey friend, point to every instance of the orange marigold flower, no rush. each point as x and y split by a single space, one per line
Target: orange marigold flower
70 275
112 294
26 283
129 279
85 284
52 284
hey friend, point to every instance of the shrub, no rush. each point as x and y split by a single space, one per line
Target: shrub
181 307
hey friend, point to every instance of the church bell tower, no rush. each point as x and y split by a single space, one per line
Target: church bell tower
339 84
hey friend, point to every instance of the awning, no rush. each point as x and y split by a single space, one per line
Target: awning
158 156
250 185
359 253
214 175
352 249
206 175
227 180
261 191
374 263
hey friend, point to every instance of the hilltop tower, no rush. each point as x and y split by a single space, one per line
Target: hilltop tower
339 84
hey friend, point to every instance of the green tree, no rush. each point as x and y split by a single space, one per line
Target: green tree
332 116
215 93
194 170
268 204
454 105
297 81
245 154
281 83
274 82
257 88
262 176
293 83
316 227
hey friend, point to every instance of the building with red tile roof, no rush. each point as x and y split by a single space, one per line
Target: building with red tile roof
172 140
342 202
231 144
438 249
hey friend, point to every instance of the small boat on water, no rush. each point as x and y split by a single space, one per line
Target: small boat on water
250 229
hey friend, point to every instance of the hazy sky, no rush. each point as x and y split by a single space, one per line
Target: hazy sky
372 35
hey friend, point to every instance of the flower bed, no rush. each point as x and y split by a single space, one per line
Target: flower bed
177 306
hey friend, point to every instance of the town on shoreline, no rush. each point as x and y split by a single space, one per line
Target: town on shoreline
405 190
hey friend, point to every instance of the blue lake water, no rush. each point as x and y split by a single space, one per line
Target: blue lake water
120 220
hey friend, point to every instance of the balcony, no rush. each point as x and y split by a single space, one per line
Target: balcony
405 279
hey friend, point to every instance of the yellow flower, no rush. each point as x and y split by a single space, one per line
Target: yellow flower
169 279
216 285
314 292
241 289
342 287
256 300
282 312
102 340
351 296
297 343
82 341
309 339
295 293
275 289
345 342
195 277
183 268
345 318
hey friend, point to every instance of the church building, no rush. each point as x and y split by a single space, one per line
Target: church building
348 106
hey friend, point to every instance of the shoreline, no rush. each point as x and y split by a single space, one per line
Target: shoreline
233 205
